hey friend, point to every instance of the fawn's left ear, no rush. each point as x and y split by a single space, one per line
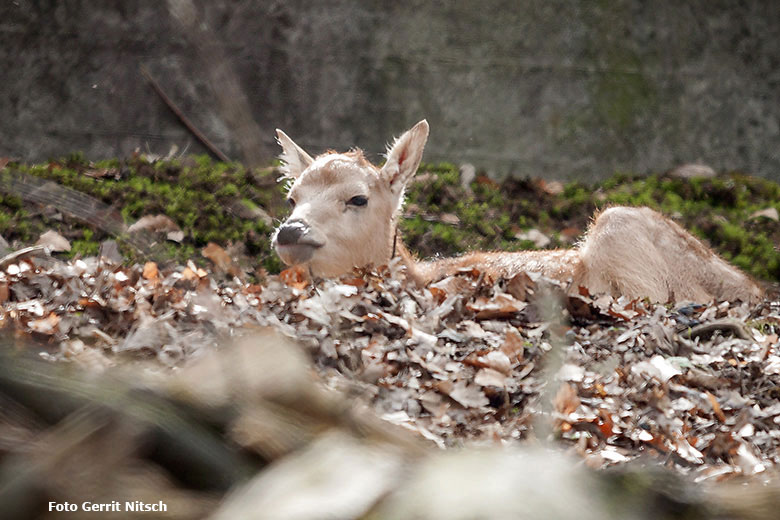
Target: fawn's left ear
404 156
294 158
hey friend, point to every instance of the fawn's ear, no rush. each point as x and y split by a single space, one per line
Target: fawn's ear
294 158
404 156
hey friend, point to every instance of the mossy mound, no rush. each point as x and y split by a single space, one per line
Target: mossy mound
218 202
209 201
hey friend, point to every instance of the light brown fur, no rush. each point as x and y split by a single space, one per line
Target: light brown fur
636 252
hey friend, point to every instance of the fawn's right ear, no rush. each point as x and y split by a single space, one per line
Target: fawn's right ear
294 158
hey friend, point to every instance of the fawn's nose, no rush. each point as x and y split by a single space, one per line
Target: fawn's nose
291 232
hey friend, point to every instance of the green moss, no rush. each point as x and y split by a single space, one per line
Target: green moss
228 190
5 221
84 248
576 193
270 263
194 192
198 193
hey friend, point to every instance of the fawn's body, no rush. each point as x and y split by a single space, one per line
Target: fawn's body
345 213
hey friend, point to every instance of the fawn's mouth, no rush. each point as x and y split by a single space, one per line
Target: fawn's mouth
297 253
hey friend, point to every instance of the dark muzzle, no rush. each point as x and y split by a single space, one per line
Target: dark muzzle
291 232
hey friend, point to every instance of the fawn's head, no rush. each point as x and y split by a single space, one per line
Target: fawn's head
344 209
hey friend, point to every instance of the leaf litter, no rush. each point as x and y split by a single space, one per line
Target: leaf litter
468 360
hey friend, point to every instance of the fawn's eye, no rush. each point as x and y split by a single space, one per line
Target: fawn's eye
358 200
291 202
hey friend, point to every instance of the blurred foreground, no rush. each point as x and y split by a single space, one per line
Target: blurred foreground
249 432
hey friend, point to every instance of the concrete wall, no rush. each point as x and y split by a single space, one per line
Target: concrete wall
554 88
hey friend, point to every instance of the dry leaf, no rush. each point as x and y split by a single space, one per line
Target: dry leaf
154 223
53 241
688 452
470 396
566 399
770 213
482 179
110 250
150 271
175 236
749 463
501 306
4 292
658 367
534 235
451 285
580 307
47 325
490 377
354 281
498 361
438 294
551 187
716 407
449 218
189 275
520 286
570 372
691 171
295 277
222 261
513 347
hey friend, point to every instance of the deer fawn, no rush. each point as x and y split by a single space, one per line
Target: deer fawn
345 215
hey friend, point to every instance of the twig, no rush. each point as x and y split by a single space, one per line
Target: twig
183 118
706 330
21 253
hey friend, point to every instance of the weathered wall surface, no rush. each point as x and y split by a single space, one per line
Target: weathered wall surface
554 88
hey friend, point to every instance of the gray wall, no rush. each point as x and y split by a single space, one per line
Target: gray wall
553 88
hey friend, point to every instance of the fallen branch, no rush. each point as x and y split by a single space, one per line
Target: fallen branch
183 118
